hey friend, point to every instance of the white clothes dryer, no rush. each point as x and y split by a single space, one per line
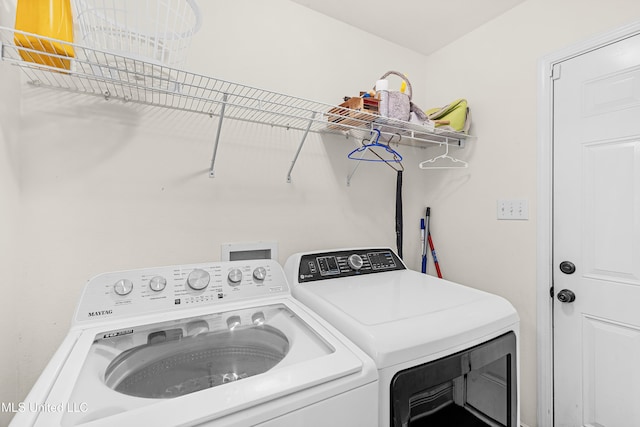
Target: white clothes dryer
446 353
216 344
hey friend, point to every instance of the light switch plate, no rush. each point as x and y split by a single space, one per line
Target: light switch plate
513 209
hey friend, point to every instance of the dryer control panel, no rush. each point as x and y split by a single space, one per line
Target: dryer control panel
345 263
149 290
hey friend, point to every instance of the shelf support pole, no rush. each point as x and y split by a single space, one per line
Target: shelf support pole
304 137
353 172
215 144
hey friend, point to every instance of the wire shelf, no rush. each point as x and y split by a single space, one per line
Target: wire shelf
100 73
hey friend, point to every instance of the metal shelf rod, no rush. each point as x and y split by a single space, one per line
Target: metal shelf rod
355 168
215 144
295 158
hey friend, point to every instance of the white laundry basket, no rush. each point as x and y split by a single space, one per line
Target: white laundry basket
157 31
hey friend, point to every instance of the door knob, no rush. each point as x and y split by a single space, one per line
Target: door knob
567 267
566 295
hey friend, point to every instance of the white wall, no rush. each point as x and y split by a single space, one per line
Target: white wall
107 186
495 67
10 241
10 225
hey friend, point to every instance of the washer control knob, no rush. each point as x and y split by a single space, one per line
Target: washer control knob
355 262
260 273
235 276
123 287
198 279
157 283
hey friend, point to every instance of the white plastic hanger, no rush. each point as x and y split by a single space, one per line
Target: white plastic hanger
444 161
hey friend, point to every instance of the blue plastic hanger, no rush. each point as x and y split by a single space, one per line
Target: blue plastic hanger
397 158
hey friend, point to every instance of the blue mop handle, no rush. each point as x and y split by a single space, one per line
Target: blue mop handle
423 236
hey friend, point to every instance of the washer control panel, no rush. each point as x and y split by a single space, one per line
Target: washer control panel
345 263
149 290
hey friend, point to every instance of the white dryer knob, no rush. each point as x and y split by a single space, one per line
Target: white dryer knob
198 279
123 287
235 276
355 261
260 273
157 283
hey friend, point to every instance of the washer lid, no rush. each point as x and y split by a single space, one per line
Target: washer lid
402 315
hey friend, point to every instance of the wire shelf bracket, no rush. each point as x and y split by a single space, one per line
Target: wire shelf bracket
295 157
217 140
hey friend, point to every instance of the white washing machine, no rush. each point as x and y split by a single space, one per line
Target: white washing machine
446 354
219 344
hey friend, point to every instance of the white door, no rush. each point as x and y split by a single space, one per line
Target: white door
596 227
